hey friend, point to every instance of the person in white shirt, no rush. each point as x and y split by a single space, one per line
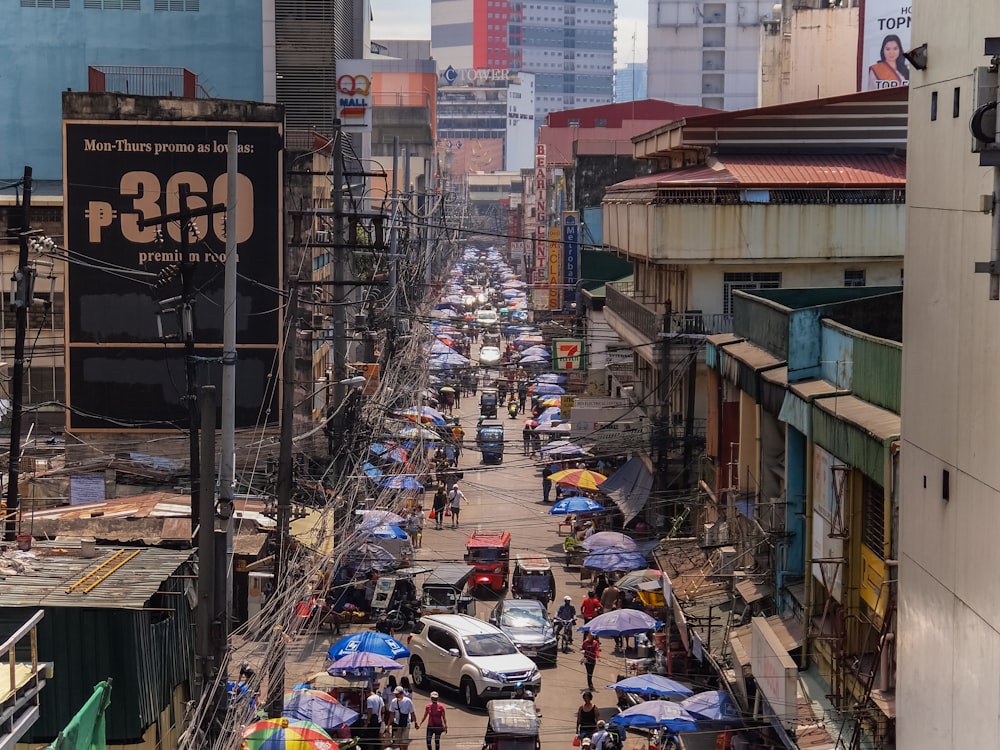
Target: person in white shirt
401 711
456 496
597 739
374 708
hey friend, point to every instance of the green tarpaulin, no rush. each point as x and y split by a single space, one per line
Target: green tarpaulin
85 731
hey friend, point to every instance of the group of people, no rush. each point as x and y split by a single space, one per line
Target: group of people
447 503
390 714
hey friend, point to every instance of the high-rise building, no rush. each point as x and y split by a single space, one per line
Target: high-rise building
631 82
567 44
707 53
570 47
281 51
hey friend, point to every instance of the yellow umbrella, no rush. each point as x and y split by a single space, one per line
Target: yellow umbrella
551 401
582 479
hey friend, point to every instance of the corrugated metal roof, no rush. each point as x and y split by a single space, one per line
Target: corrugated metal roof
752 356
43 576
807 389
880 423
778 376
782 171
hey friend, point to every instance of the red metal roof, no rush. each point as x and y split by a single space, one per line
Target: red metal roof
783 170
615 114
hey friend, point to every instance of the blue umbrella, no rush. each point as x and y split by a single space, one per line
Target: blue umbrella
548 389
387 531
712 705
550 377
651 684
401 482
553 412
317 707
379 449
612 560
620 622
533 359
541 351
656 715
368 642
575 505
371 470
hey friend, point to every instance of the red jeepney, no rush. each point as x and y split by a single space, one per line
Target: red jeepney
488 552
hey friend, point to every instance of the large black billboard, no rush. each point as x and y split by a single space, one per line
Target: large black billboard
120 176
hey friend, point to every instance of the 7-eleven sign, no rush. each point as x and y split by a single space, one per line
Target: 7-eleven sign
568 354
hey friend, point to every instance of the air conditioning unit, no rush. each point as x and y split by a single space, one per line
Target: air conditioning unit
716 534
725 561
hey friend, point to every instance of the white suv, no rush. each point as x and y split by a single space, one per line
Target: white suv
478 659
487 316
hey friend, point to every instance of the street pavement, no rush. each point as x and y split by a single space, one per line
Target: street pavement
506 496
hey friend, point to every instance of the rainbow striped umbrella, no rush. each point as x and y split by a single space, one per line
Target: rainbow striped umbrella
282 734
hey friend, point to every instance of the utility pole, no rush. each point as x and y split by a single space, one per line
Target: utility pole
276 680
339 315
184 218
24 278
394 232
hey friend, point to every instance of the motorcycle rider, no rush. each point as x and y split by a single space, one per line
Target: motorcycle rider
565 617
512 408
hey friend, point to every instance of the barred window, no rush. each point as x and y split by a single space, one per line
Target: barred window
44 3
873 517
111 4
854 277
747 282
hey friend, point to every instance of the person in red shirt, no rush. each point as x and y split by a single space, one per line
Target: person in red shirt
590 607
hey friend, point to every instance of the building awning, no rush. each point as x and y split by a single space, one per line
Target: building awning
713 350
742 361
881 424
752 592
629 487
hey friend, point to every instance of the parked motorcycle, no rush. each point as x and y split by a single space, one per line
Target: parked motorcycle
403 617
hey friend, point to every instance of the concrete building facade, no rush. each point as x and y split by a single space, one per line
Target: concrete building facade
949 611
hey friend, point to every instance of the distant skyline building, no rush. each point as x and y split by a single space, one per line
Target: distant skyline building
631 82
567 45
708 53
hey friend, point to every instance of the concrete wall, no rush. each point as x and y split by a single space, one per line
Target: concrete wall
949 612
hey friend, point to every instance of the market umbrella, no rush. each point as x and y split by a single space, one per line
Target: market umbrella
611 560
547 389
401 482
582 479
656 715
371 470
368 556
575 505
368 642
712 705
548 401
533 359
551 377
651 684
363 662
550 413
282 734
378 517
318 707
563 448
620 622
609 539
541 351
412 432
386 531
634 580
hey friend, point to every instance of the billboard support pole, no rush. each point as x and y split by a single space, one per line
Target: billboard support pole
23 276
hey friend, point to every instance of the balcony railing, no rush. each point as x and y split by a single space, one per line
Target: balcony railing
144 80
624 301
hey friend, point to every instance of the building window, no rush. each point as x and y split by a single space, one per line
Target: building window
111 4
873 517
747 282
190 5
854 277
44 3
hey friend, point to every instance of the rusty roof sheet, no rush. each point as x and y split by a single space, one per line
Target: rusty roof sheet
880 423
782 171
41 577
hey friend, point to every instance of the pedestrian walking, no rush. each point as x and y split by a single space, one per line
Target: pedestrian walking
600 736
586 717
522 395
455 496
590 607
591 653
547 471
374 708
436 720
458 395
402 715
526 436
415 524
439 503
